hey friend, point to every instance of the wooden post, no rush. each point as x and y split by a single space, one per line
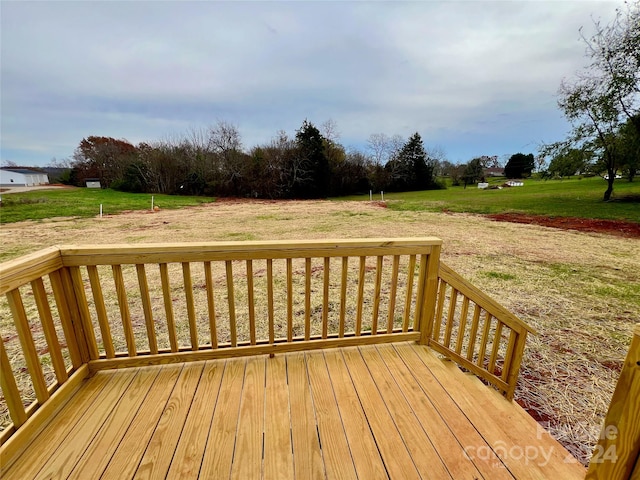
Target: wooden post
430 294
616 454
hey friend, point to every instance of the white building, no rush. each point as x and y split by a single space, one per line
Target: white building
22 177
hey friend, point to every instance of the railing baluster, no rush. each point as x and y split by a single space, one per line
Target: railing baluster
168 306
307 298
463 324
211 305
121 293
422 275
289 299
101 311
62 305
496 345
250 301
146 307
28 346
10 389
453 300
409 293
191 310
83 310
232 304
513 336
474 332
437 321
360 300
270 300
393 293
49 330
343 295
376 296
484 340
325 298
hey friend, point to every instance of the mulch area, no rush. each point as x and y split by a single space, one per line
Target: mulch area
619 228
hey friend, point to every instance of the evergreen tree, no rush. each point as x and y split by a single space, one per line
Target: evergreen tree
310 169
411 169
519 165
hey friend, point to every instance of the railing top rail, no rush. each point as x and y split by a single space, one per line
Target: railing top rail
180 252
19 271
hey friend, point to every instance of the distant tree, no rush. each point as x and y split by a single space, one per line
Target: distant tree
519 165
411 169
457 174
570 162
105 158
629 149
379 146
606 93
473 172
309 172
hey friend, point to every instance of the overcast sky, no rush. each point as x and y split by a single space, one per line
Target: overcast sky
473 78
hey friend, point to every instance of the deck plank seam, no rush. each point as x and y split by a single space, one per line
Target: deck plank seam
368 414
438 407
464 413
144 452
186 416
89 445
333 380
409 404
77 424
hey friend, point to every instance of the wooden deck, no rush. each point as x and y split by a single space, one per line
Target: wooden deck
378 411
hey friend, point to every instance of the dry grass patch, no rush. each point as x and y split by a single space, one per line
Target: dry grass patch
580 291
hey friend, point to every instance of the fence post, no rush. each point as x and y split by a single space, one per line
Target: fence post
429 292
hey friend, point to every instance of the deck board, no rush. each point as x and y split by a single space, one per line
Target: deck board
364 451
188 456
385 411
106 441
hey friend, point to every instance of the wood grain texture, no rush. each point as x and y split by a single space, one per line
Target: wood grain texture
218 455
304 436
187 459
247 456
146 308
49 330
278 451
131 449
29 351
335 447
364 451
157 457
374 411
390 443
101 311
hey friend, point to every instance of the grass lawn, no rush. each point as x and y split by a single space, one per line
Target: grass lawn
561 198
83 202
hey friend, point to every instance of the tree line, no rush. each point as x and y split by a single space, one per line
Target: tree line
212 161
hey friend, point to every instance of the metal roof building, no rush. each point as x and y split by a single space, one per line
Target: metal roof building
22 177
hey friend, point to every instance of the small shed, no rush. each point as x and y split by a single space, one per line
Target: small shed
22 177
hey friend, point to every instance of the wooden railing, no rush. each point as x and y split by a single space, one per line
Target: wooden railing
617 454
70 311
476 332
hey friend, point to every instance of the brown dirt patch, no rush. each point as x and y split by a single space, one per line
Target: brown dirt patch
620 228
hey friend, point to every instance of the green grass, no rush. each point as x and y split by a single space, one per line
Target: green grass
83 202
559 198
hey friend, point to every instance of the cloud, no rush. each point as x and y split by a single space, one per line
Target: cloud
474 77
